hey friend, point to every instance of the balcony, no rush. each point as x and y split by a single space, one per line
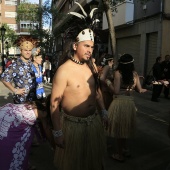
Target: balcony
124 14
64 7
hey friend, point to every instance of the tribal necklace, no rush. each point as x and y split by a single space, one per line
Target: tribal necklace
75 61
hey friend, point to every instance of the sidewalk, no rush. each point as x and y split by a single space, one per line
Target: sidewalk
150 148
5 95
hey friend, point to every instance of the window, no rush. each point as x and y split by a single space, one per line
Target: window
28 25
13 26
10 14
10 2
23 25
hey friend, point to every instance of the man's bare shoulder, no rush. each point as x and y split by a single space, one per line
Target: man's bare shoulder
65 66
63 70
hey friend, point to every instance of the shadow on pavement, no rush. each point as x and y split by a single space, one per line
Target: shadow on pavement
5 98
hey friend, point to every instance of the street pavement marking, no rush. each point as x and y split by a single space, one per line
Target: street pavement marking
155 118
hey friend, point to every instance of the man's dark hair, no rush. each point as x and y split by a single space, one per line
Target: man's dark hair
158 59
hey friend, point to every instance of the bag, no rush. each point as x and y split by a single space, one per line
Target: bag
149 79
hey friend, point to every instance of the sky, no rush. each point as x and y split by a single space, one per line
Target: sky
46 26
34 1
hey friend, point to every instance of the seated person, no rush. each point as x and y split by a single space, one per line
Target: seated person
16 132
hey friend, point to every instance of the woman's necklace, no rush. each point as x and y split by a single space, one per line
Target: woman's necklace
75 61
36 66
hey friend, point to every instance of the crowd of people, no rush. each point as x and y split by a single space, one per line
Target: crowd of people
161 73
87 103
23 77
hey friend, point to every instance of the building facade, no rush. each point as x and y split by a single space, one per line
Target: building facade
8 15
142 30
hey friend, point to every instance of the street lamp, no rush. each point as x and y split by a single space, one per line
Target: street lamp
2 38
7 49
3 30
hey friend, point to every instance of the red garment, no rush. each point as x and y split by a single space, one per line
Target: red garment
8 63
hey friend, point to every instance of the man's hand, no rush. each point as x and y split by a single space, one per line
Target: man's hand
20 91
105 120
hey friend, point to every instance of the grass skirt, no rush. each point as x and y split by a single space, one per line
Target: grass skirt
122 117
84 144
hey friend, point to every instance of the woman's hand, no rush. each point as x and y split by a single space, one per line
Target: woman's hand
60 142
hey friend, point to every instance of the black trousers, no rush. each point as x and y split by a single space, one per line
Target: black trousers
156 91
166 91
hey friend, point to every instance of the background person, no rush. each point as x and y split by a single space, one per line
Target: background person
37 68
166 74
16 131
47 70
39 91
106 78
8 62
158 75
122 110
78 130
19 77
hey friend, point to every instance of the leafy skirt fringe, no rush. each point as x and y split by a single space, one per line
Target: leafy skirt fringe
122 117
84 144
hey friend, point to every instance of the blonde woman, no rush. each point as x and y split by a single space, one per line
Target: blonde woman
37 68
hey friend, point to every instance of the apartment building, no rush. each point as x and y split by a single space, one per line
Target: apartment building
8 16
8 13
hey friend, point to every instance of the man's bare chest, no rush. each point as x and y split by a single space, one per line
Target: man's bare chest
81 78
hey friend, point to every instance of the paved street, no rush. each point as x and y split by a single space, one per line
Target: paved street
150 148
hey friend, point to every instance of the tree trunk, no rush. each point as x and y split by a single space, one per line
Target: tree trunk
40 6
111 28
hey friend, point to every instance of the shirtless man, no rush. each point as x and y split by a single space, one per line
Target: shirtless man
78 131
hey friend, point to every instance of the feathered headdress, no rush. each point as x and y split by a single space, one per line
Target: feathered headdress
26 42
85 25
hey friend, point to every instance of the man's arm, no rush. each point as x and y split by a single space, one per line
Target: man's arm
138 85
7 78
14 90
59 85
9 86
103 112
